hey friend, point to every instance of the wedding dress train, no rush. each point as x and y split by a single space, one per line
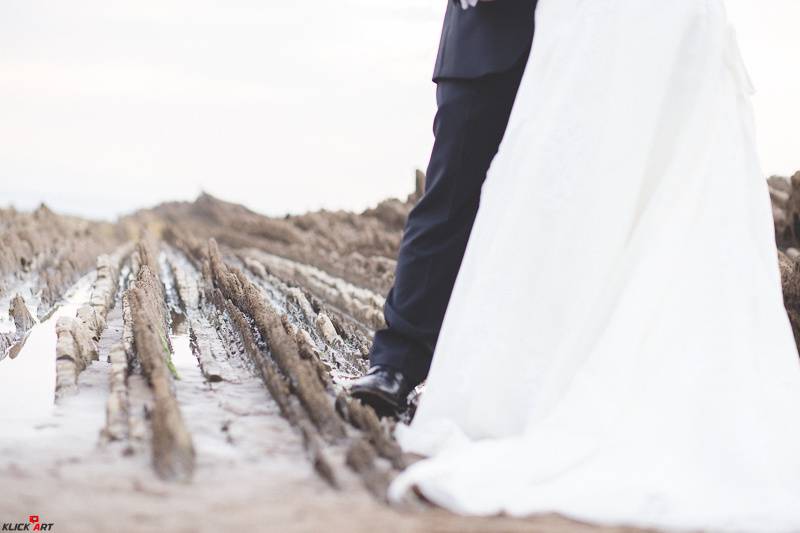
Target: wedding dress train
616 347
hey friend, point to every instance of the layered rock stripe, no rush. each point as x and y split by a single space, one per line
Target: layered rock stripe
276 314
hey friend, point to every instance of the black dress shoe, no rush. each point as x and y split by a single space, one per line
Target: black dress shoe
383 388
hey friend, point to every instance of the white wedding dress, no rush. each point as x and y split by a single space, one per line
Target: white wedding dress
616 348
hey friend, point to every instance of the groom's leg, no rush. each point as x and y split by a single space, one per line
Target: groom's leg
470 122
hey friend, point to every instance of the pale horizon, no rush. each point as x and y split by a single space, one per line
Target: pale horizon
109 107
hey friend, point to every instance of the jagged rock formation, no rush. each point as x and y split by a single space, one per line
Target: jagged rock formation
54 249
77 336
785 196
359 248
20 315
41 255
275 314
172 447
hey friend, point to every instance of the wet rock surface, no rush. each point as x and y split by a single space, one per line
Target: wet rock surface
201 384
21 315
359 248
41 255
12 343
785 197
50 250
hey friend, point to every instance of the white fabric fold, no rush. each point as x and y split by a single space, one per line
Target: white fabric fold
616 347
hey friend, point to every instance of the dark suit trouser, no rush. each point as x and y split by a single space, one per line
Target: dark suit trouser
471 119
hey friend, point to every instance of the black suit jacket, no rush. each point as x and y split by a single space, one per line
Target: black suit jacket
485 39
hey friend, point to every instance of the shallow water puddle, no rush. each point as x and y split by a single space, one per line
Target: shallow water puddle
183 359
27 382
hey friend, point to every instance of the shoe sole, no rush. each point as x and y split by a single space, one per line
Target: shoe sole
382 405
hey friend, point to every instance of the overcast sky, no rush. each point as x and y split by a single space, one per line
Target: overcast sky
284 106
